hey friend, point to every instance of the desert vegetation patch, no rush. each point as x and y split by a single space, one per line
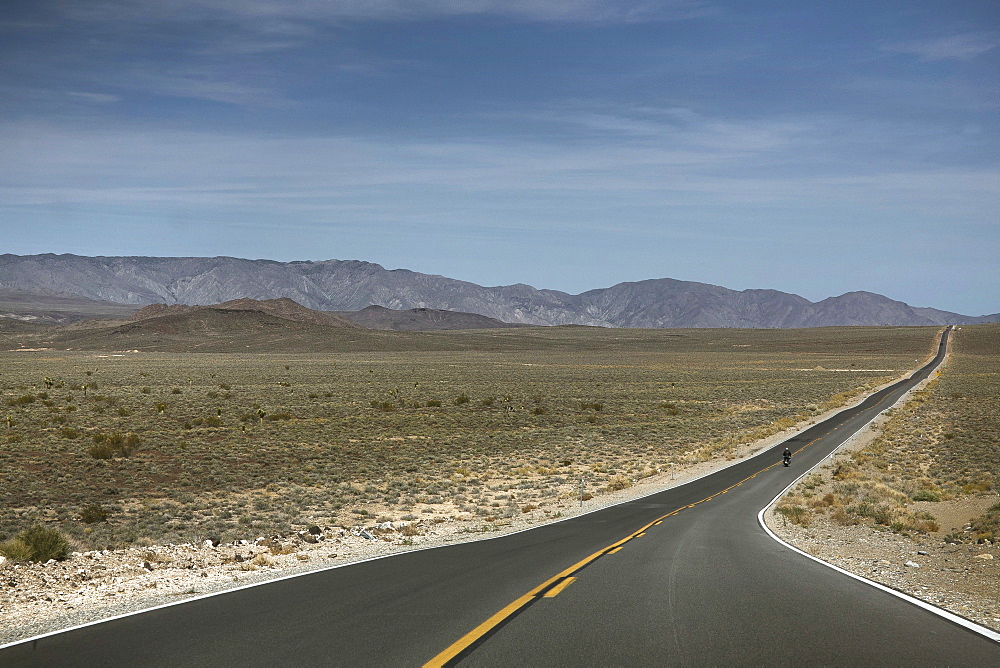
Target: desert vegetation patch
145 448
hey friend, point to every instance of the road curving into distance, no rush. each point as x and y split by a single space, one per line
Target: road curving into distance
686 576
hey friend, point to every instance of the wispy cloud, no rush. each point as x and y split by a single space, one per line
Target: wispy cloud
698 162
589 11
959 46
100 98
201 83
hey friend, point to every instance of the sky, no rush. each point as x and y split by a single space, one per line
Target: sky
810 147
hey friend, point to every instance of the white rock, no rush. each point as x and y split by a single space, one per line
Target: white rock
984 556
911 564
3 561
385 526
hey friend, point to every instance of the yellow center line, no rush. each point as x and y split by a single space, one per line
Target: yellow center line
549 588
559 587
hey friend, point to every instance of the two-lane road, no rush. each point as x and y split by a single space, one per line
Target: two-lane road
684 576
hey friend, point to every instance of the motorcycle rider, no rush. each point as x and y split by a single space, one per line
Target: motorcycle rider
787 455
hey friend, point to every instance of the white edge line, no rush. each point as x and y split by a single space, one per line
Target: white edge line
761 452
941 612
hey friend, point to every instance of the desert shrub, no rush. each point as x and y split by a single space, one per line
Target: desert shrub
462 399
262 560
987 526
617 483
15 549
42 544
69 432
433 403
23 400
925 495
795 514
113 444
283 415
92 513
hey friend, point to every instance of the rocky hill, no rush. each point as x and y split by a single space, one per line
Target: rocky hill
339 285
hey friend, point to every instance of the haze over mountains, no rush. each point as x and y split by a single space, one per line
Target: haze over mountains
351 285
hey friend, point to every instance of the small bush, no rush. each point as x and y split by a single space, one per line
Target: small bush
36 544
93 513
15 549
462 399
262 560
114 444
618 483
23 400
795 514
433 403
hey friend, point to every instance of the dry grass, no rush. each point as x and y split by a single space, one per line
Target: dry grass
236 446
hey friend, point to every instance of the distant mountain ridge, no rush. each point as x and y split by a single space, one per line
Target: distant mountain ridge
352 285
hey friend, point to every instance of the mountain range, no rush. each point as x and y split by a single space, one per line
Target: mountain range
350 286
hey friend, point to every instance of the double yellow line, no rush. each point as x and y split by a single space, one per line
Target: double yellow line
563 579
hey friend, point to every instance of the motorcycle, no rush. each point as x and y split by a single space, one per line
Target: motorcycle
787 459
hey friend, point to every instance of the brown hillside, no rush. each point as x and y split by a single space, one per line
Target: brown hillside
205 329
284 308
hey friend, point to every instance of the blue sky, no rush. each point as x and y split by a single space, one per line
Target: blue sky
809 147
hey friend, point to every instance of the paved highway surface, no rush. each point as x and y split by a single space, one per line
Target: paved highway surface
682 577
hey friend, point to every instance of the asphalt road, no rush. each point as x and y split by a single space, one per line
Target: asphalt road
683 577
